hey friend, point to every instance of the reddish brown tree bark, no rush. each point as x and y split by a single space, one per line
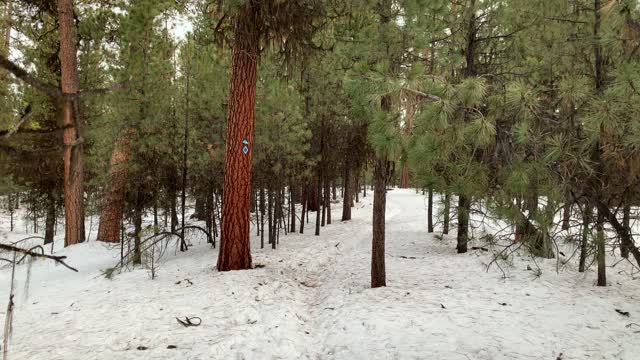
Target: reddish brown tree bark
72 153
235 249
113 196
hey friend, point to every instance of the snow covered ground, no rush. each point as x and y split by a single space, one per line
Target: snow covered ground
312 300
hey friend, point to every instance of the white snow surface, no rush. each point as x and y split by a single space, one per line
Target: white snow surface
312 300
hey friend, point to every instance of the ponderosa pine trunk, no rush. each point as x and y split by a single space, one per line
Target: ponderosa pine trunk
270 214
356 188
156 226
324 202
327 200
262 211
313 202
364 184
137 223
446 213
464 205
430 211
600 250
199 208
292 209
68 106
626 222
173 194
50 221
334 192
346 202
304 208
112 202
566 215
584 241
235 247
380 175
404 176
318 210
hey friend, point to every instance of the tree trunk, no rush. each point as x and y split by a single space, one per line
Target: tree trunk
292 207
430 211
346 201
173 194
156 227
404 176
199 208
304 208
446 213
364 185
12 209
313 203
270 214
324 202
623 233
327 200
378 271
210 205
51 217
137 223
566 215
262 210
319 195
356 188
334 191
113 197
72 153
600 251
275 197
464 207
626 222
235 247
584 241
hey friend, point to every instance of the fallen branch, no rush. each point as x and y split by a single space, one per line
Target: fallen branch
190 321
57 259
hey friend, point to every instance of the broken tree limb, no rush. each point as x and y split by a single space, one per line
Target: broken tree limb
57 259
23 75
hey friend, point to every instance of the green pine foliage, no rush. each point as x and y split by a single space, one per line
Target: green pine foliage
522 106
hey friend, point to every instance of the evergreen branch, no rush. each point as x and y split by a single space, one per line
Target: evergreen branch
57 259
23 75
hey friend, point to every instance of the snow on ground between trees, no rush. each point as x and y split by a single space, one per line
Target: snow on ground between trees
312 300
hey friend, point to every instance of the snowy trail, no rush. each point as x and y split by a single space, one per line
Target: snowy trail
312 301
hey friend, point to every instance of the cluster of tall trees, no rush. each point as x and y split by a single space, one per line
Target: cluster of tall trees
516 111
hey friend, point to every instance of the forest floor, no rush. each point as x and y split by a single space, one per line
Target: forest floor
312 300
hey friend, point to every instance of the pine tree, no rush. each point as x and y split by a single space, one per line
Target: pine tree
253 20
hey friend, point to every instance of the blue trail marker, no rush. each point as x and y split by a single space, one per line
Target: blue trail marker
245 148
